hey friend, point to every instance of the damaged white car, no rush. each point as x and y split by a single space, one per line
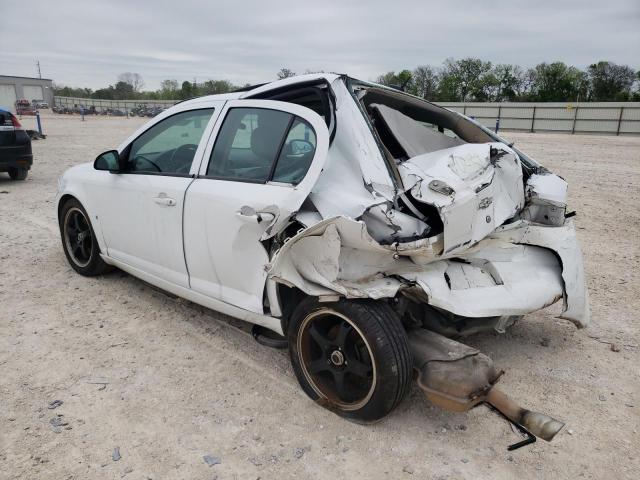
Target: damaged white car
365 225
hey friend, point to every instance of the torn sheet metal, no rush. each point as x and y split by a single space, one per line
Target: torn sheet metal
546 200
497 277
355 175
562 241
475 187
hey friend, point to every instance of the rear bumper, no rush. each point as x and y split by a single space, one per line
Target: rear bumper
519 269
500 279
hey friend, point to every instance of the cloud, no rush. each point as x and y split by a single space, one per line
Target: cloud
83 43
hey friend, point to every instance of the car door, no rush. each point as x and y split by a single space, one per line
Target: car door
140 207
260 165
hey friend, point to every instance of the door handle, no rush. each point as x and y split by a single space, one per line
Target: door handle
249 214
162 199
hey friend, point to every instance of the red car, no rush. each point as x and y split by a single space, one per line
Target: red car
24 107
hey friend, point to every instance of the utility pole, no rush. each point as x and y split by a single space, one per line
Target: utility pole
39 72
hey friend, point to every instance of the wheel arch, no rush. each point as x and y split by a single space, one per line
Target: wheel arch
95 225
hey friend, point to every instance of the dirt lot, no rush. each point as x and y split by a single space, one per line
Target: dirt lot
168 382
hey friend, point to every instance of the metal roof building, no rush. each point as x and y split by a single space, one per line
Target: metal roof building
19 88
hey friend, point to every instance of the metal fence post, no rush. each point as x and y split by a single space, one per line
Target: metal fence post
533 118
498 119
619 120
464 109
575 115
38 122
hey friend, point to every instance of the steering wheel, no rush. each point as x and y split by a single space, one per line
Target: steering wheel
186 148
142 157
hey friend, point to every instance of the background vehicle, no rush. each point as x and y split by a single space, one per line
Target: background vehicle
24 107
350 218
15 147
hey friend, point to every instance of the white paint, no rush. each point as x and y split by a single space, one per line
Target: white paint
352 245
225 257
547 187
483 196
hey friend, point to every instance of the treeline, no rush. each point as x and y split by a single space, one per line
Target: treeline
472 79
129 87
468 79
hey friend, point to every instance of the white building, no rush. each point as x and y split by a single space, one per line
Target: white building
19 88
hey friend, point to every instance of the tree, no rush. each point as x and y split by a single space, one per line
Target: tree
123 91
187 89
285 73
213 87
510 82
133 79
169 89
608 81
64 91
425 82
400 80
463 80
557 82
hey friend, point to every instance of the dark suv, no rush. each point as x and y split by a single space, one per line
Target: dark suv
15 147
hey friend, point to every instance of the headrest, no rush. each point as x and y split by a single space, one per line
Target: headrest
262 142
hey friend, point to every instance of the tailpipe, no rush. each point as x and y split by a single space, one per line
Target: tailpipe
539 424
458 377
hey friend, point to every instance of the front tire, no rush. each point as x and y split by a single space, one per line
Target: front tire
351 356
79 240
18 173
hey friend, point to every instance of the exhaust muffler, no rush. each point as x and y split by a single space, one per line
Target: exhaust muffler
458 377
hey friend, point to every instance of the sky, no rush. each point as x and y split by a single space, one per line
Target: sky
87 43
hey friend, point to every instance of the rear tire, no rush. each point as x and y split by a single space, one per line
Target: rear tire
351 356
18 173
79 240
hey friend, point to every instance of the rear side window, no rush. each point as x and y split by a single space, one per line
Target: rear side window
260 145
170 145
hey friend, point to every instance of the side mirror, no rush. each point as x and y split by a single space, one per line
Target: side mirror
300 147
109 160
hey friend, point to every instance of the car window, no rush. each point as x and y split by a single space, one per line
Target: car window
296 154
169 146
259 145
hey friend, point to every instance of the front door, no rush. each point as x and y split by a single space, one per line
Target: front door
140 208
261 164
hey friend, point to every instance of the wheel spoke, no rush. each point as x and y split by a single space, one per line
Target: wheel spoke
319 365
338 378
359 368
342 334
83 250
319 338
76 222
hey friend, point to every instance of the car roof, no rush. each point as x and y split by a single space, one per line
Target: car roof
244 93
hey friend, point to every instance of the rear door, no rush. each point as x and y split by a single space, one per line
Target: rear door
260 165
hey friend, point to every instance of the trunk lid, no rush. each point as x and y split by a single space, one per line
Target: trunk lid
474 187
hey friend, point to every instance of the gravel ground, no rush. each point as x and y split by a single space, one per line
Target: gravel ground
176 388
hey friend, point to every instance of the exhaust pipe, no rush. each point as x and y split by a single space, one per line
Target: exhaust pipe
539 424
457 377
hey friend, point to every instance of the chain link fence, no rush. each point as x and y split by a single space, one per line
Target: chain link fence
117 107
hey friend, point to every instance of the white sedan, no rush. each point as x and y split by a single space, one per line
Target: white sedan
340 214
